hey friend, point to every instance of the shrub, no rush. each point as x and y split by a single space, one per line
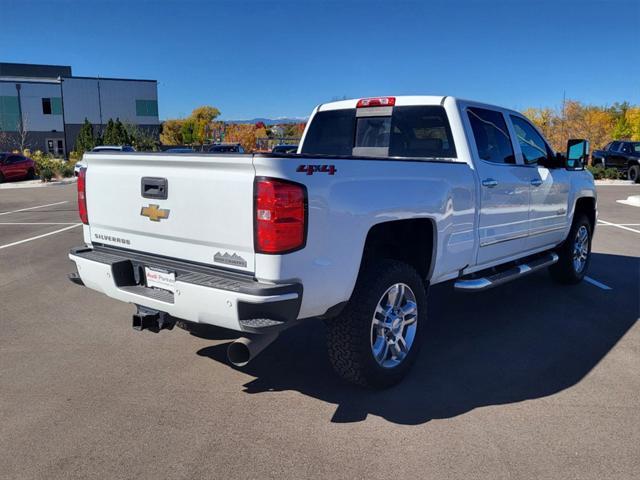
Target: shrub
611 173
66 169
46 174
597 172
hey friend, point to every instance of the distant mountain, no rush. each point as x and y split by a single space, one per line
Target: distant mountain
270 121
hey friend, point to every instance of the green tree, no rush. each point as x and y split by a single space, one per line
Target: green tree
109 134
189 131
622 129
86 139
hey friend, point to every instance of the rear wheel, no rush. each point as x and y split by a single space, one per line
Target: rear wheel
633 173
31 174
574 253
1 177
376 339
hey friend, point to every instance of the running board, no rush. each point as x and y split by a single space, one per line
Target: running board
495 279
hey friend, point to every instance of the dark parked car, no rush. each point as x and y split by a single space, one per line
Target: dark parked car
16 167
180 150
622 155
285 149
226 148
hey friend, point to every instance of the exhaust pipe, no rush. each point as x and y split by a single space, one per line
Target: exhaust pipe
243 350
152 320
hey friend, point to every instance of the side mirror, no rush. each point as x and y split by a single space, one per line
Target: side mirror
577 154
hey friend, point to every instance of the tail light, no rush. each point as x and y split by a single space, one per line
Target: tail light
376 102
82 196
280 216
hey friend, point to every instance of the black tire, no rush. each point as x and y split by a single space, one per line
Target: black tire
564 270
1 178
349 336
633 173
31 174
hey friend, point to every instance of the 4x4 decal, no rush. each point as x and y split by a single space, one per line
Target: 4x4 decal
311 169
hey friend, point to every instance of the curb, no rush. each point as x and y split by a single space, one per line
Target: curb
37 184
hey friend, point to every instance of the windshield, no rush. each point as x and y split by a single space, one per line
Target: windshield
409 132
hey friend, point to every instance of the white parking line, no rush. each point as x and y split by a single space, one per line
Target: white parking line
597 283
619 226
39 236
38 223
33 208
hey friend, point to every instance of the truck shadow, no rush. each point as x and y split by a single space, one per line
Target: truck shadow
524 340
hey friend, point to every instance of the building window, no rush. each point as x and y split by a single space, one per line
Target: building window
146 108
9 114
46 106
52 106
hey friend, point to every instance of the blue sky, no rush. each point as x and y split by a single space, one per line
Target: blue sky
281 58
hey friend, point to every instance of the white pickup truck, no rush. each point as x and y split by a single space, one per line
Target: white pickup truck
384 197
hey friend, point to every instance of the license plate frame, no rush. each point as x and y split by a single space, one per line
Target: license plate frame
161 279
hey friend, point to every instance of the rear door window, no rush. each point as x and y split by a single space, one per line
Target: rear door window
491 135
614 146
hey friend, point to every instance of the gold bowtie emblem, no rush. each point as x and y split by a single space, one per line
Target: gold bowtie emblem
154 212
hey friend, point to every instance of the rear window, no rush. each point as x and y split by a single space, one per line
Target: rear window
331 133
410 132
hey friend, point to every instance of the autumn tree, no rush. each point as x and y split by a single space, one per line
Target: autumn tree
196 128
171 133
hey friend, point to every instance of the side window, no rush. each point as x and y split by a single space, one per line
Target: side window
491 135
614 146
14 159
626 148
46 106
533 146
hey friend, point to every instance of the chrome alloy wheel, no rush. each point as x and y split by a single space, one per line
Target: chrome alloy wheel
393 326
581 249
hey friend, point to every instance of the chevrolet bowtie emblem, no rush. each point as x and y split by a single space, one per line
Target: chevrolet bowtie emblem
154 212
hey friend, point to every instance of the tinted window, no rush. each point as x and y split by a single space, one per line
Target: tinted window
614 146
14 159
46 106
421 132
331 133
491 135
531 142
626 148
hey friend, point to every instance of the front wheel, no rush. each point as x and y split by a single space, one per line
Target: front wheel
574 253
376 339
31 174
633 173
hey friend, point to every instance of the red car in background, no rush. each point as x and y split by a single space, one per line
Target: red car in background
16 167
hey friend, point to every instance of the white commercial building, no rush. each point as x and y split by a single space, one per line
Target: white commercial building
44 106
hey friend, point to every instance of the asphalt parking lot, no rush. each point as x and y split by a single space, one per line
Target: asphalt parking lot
530 380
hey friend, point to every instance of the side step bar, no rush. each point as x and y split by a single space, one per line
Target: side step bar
484 283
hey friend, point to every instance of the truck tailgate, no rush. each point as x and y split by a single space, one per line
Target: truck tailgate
206 217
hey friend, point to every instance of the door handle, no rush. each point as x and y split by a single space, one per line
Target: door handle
536 182
489 183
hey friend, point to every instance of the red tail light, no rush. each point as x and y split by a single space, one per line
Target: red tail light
82 196
280 216
376 102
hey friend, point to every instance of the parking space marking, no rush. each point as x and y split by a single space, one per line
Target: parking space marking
38 223
619 226
39 236
597 283
33 208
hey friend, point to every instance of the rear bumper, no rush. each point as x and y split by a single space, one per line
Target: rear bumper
202 294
